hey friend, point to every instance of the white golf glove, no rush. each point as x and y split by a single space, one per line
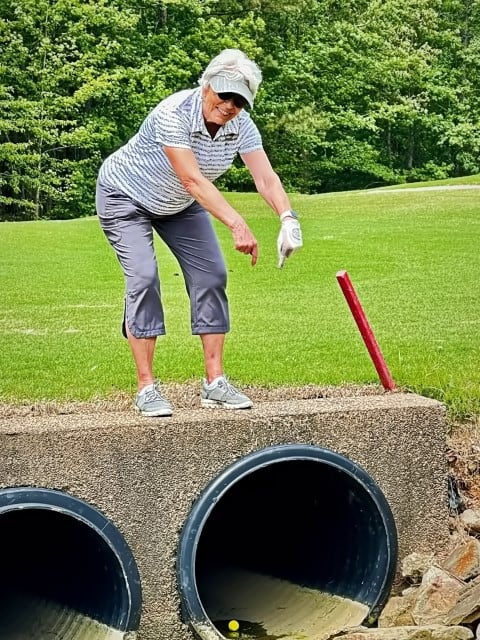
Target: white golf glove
289 238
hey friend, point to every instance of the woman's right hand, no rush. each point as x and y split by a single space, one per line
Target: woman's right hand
244 240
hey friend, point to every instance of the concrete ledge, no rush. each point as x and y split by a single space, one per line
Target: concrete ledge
144 474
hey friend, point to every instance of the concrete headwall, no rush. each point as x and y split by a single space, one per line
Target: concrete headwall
144 474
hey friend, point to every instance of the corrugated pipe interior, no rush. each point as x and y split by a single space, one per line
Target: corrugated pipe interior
66 570
292 541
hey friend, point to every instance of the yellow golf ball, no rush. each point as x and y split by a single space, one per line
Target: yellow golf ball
233 625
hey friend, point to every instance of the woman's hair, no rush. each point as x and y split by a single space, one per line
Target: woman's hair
234 64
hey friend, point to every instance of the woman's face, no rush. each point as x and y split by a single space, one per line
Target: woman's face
216 110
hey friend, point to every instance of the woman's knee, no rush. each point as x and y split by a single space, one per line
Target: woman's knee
213 280
144 278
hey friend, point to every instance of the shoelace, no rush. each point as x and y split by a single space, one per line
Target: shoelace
229 387
153 394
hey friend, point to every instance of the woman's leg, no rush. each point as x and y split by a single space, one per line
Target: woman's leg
143 311
191 238
129 231
212 344
143 352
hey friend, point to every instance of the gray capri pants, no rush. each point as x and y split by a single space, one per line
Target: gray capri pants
191 238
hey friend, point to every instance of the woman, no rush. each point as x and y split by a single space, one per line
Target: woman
162 180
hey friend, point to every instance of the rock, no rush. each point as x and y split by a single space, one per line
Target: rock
398 611
470 519
467 608
437 594
414 565
431 632
464 561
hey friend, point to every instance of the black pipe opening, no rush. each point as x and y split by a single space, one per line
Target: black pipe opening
290 540
66 570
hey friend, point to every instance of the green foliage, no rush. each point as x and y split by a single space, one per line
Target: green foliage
357 93
59 104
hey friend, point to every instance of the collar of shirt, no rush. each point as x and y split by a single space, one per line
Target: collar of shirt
229 130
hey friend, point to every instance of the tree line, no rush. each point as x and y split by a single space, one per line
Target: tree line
356 93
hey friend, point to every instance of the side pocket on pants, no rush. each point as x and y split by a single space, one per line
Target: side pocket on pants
112 206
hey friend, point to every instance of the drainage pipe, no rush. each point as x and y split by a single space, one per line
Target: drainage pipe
66 570
290 541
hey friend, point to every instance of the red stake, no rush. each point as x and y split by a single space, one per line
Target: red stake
365 330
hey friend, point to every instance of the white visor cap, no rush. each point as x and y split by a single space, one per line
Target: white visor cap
223 84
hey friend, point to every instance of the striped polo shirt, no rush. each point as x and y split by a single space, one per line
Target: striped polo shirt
141 168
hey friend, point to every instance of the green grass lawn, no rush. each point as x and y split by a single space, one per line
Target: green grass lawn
413 257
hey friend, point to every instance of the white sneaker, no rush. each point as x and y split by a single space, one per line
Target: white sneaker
150 402
221 394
